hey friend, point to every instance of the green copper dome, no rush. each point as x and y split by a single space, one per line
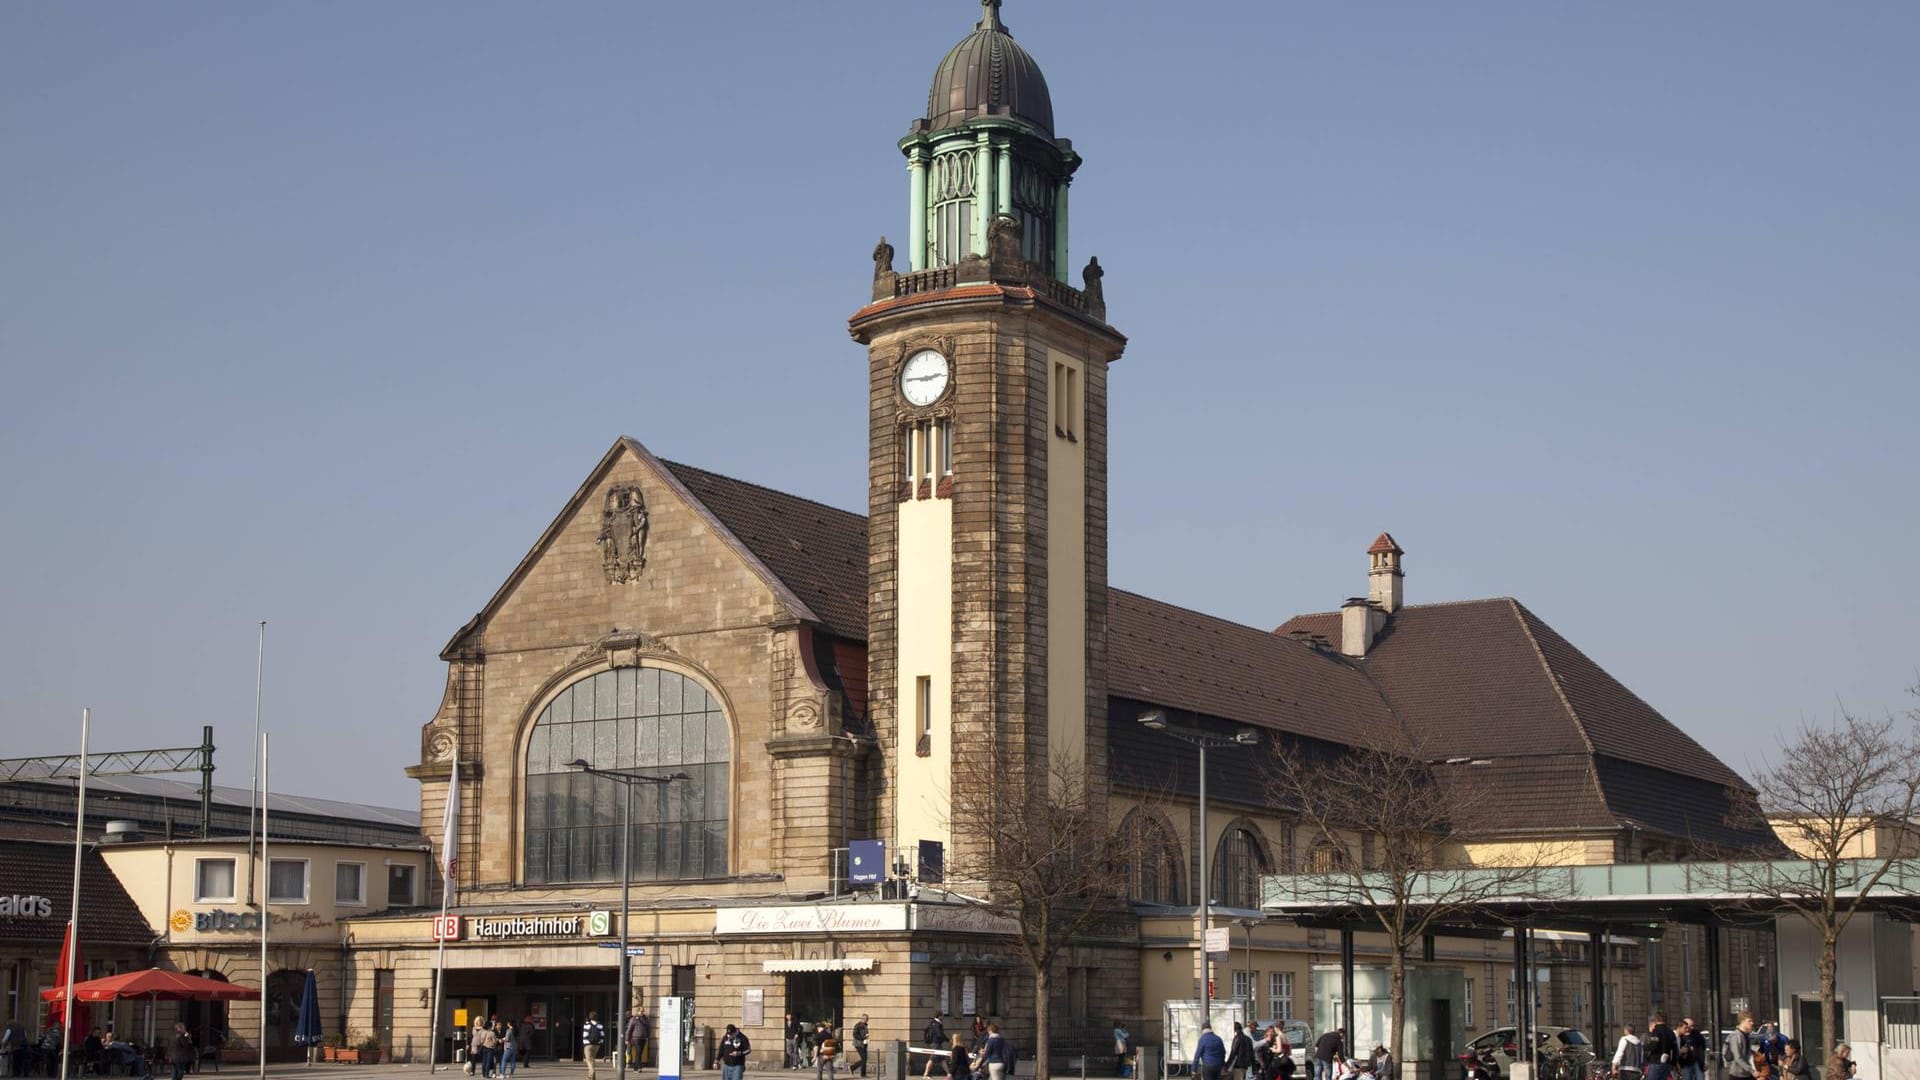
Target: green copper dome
989 74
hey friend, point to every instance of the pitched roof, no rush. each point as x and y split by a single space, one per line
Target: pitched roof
1384 544
1171 656
818 551
36 868
1489 679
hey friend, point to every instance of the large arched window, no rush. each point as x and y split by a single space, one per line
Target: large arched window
1238 866
1153 875
649 720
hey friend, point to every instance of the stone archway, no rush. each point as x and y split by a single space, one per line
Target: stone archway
206 1020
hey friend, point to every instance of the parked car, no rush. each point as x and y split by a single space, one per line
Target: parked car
1561 1053
1299 1035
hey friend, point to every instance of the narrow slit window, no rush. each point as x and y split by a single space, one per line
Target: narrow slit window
926 456
923 715
1059 400
1070 404
946 448
907 437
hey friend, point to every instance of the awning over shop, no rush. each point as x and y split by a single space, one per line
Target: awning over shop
845 963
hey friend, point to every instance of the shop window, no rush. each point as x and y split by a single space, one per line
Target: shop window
350 884
212 881
287 881
400 880
654 722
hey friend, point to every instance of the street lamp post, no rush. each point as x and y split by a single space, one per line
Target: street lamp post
1157 721
626 780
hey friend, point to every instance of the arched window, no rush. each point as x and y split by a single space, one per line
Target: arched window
1326 858
1238 866
1153 874
648 720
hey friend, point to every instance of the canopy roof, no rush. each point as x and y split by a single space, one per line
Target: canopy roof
155 984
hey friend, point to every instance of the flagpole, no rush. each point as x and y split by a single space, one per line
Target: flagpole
253 789
72 952
448 840
266 896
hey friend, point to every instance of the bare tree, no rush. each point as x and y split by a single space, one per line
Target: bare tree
1041 851
1842 797
1411 821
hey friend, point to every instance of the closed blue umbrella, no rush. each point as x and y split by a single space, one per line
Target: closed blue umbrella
307 1032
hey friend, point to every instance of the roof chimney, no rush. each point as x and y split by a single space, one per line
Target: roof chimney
1361 620
1383 573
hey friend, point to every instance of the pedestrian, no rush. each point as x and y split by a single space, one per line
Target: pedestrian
490 1047
957 1063
1382 1061
1629 1057
593 1036
635 1036
796 1042
1662 1048
181 1055
13 1048
734 1049
1690 1050
509 1047
1123 1048
526 1042
933 1039
860 1033
1330 1046
826 1057
993 1053
1793 1064
1740 1049
1840 1066
1240 1052
1209 1054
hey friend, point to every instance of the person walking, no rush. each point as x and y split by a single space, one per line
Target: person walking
1793 1064
860 1033
510 1036
827 1055
1240 1052
796 1035
593 1036
1629 1056
1740 1048
13 1048
933 1038
181 1054
1209 1054
993 1053
734 1049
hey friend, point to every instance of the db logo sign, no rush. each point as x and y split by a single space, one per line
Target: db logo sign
446 928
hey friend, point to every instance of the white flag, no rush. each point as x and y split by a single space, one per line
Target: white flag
450 831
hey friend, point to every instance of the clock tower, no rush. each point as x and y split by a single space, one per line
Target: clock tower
987 390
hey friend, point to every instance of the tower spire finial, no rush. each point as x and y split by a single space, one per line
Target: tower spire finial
990 16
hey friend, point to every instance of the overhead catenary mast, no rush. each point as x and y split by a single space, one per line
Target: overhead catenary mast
253 788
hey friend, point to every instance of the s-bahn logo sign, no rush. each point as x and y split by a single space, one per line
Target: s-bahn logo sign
25 907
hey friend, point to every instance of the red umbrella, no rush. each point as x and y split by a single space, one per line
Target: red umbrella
155 984
69 968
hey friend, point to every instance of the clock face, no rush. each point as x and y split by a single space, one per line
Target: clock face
923 378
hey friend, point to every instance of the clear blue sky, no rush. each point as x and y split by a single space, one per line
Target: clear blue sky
317 313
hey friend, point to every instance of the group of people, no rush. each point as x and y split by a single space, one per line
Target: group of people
495 1046
820 1046
100 1049
1251 1054
983 1053
1762 1053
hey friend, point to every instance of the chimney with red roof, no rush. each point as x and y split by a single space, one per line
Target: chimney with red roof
1383 575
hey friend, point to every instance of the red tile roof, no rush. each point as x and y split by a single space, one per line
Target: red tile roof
1384 543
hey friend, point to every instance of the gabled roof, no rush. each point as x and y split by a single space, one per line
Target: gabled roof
818 551
1384 545
775 525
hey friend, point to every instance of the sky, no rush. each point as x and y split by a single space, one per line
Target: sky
317 313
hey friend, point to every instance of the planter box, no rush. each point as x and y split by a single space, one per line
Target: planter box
348 1056
370 1057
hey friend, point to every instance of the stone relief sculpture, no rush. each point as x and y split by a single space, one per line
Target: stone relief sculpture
623 534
